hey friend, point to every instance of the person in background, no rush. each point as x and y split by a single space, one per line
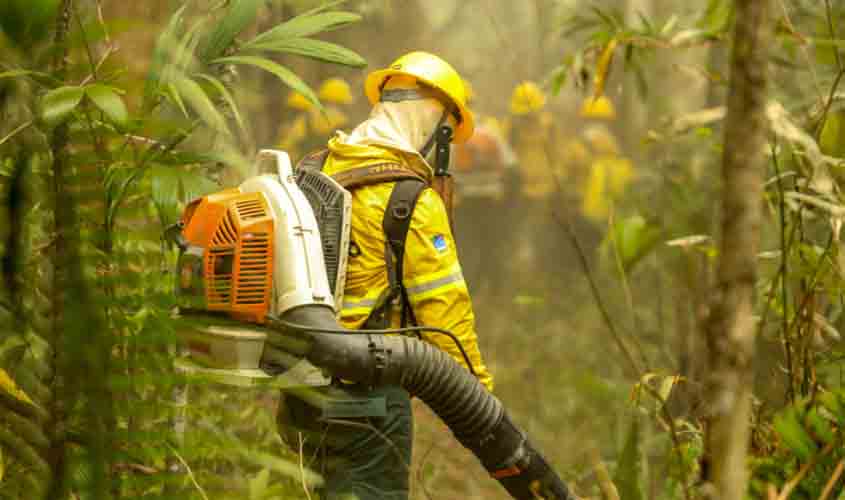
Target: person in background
609 173
483 167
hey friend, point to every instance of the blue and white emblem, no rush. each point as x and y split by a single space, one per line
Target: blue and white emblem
440 243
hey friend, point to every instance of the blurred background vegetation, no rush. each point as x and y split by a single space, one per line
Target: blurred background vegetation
591 286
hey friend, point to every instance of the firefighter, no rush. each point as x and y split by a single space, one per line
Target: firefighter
539 246
484 165
309 127
366 452
609 172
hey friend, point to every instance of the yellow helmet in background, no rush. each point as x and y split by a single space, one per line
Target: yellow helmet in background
299 101
335 90
434 72
527 98
328 121
598 108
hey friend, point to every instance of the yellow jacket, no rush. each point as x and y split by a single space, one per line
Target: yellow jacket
432 273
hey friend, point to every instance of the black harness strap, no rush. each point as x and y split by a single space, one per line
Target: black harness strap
396 223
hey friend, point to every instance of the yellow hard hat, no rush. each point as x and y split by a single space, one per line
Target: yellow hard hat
527 98
434 72
335 90
299 101
598 107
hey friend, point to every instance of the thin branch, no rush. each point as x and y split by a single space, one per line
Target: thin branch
585 267
837 473
793 483
190 472
626 288
784 270
833 36
88 51
839 75
608 489
16 131
302 466
673 432
145 470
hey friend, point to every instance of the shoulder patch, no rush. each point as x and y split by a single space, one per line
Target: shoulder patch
440 243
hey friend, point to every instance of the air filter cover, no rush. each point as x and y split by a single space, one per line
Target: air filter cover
332 207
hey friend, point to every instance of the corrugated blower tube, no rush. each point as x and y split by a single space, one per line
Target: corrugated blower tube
476 417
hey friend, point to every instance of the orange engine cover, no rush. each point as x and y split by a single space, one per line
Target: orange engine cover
232 233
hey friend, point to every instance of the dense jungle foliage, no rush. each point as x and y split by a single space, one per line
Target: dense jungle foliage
114 115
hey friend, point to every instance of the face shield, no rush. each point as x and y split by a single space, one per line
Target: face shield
406 119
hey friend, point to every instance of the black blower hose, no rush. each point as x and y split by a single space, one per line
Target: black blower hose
476 417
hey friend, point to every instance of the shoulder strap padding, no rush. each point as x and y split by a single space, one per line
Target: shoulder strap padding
374 174
314 161
361 176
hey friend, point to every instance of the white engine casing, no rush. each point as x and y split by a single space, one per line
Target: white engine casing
299 276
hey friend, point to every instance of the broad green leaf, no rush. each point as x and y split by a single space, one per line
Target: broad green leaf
315 49
165 189
173 93
9 386
241 13
281 466
793 434
322 8
230 156
666 386
159 57
284 74
717 16
670 24
227 96
832 140
558 78
2 465
608 17
183 158
627 476
27 22
306 25
196 97
258 485
632 238
834 402
20 72
820 426
171 187
57 104
110 103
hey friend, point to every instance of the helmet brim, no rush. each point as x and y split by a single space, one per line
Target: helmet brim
375 80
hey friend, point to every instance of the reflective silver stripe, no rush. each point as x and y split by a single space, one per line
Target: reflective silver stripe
354 304
431 285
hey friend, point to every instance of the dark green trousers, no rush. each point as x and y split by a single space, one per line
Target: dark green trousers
359 438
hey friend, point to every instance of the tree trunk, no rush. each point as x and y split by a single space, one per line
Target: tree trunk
731 329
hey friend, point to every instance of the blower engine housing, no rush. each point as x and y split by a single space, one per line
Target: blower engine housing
257 249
